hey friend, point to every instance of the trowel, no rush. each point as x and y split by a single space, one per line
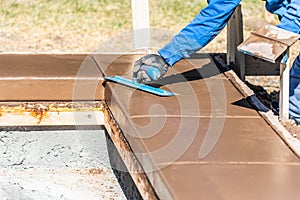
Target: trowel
139 86
134 84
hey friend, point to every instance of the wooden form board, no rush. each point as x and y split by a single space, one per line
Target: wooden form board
141 23
272 44
268 42
259 67
234 37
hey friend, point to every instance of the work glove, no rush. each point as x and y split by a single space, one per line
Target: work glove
149 68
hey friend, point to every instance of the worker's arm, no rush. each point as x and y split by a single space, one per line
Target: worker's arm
204 27
200 31
290 17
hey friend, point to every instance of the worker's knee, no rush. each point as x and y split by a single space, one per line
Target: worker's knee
295 71
295 90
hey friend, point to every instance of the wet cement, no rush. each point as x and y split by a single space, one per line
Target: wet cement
38 77
205 142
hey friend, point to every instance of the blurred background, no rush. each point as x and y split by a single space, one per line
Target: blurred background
82 25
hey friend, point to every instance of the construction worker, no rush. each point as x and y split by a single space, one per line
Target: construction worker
204 27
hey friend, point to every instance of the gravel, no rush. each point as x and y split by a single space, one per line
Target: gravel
66 165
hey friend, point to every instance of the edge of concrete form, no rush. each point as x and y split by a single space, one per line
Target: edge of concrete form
128 157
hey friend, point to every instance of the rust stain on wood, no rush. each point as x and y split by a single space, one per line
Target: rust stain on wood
39 111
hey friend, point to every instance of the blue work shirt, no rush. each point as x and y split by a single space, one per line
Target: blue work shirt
213 18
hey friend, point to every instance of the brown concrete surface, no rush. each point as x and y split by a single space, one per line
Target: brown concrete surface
49 77
170 136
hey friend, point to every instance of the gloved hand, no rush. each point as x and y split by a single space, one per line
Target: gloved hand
149 68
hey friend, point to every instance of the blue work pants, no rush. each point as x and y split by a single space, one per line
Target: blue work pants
295 90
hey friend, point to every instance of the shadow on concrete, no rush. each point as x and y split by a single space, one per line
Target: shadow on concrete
123 177
198 73
242 103
205 71
251 102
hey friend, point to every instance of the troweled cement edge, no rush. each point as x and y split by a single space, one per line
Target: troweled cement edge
292 142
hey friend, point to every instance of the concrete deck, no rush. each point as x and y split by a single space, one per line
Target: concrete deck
207 141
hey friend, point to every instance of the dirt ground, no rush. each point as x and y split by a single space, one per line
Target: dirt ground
266 95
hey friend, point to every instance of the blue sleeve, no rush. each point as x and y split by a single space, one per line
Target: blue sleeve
200 31
277 7
290 18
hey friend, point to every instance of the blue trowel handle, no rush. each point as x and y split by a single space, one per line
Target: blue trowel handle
139 86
